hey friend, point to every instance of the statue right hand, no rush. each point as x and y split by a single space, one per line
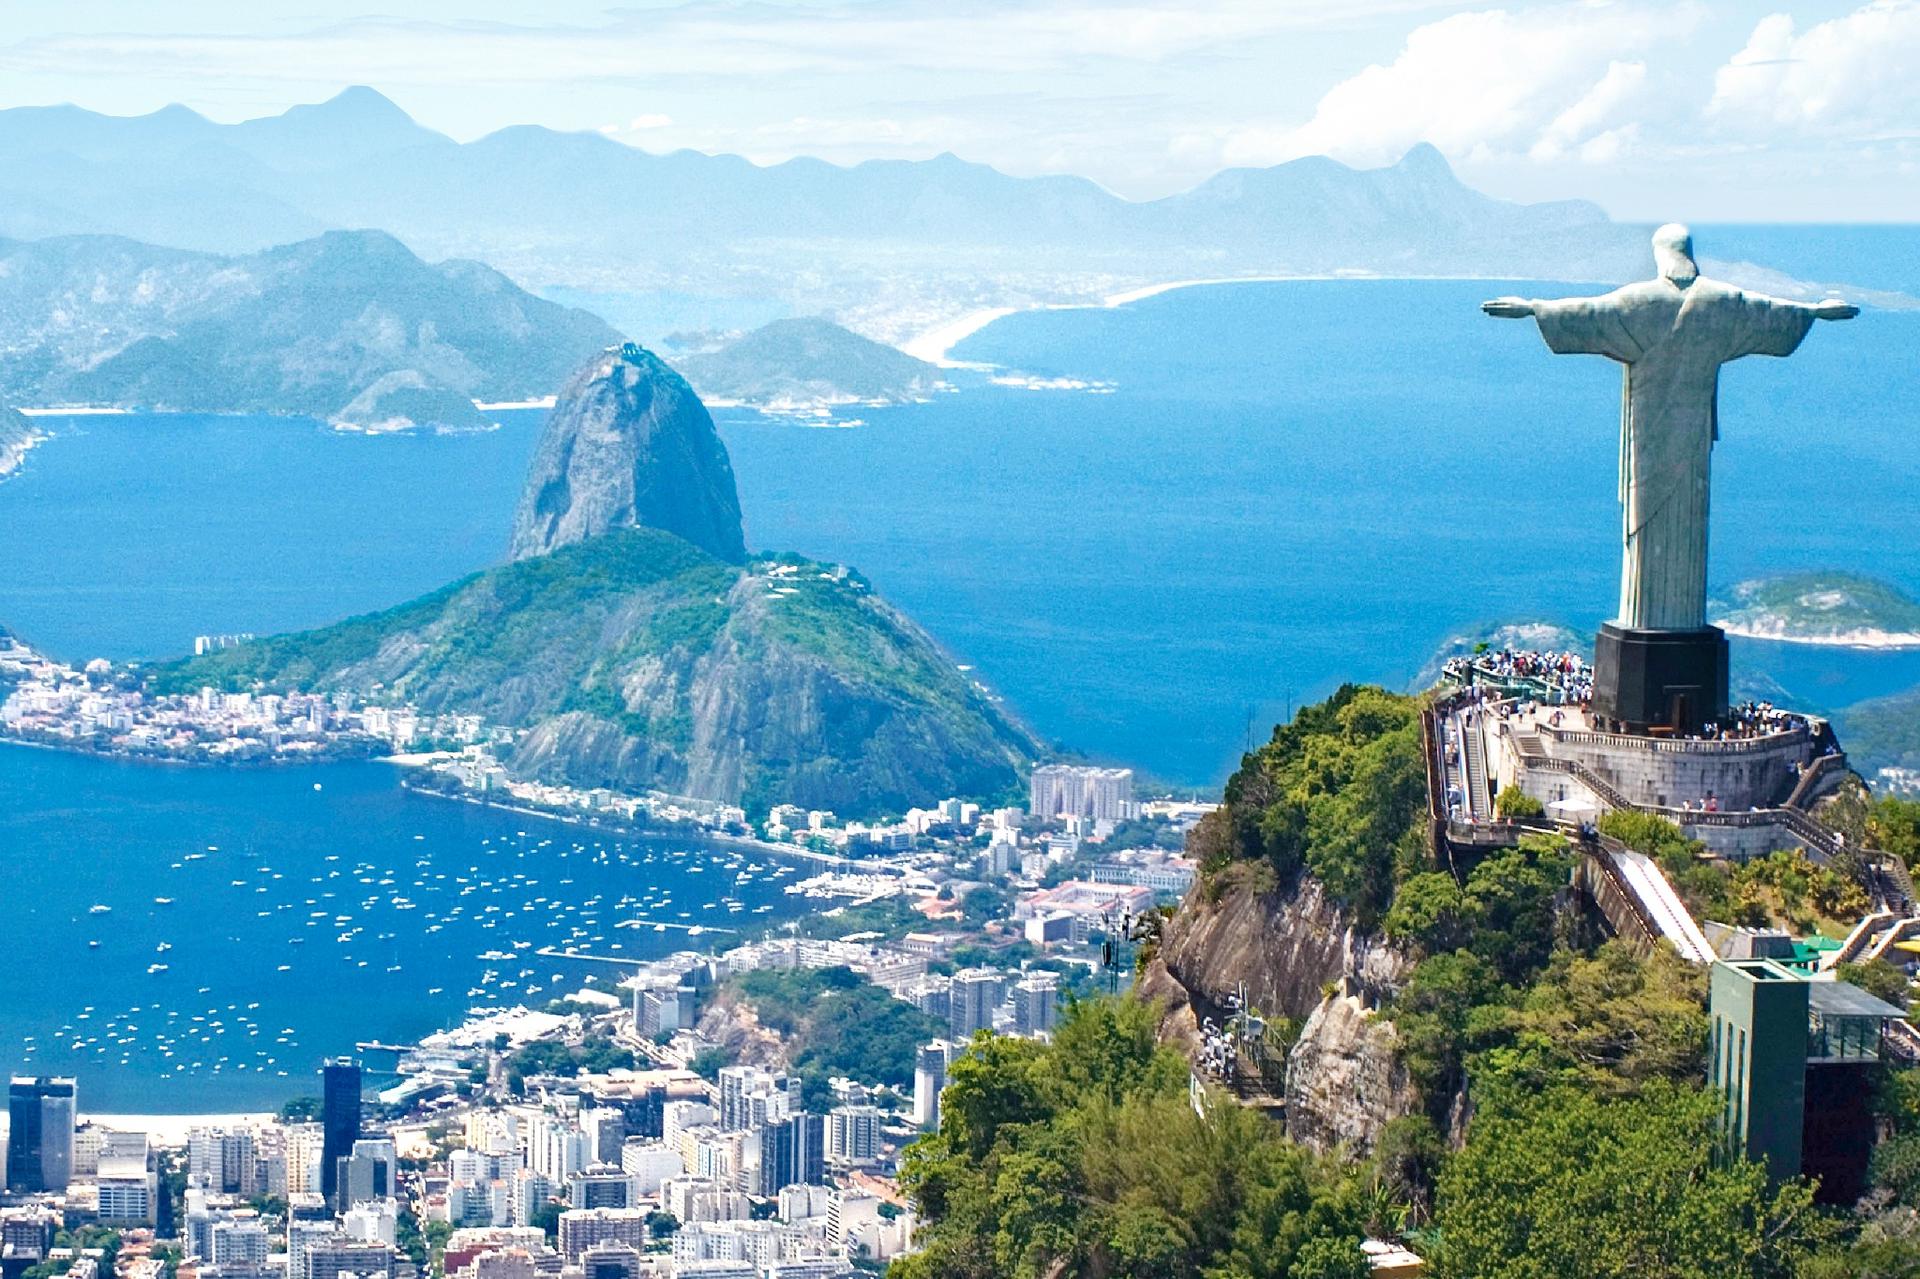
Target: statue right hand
1508 308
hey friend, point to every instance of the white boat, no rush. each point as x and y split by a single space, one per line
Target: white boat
97 909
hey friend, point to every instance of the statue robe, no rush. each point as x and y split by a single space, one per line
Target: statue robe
1672 340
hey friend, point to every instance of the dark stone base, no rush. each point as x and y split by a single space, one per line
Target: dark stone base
1670 680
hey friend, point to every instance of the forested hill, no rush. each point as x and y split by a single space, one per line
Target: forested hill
1821 608
1503 1094
637 661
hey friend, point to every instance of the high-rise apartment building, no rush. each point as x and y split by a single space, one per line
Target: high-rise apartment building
751 1097
1068 790
584 1228
793 1150
339 1122
1035 1003
853 1136
974 994
929 1078
40 1120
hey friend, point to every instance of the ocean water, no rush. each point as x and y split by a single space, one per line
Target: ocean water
130 535
311 909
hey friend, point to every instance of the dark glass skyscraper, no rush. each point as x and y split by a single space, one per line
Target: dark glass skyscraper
40 1134
339 1120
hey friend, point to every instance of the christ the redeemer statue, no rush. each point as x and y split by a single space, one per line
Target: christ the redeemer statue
1672 333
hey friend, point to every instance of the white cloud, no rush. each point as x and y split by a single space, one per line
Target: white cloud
1550 82
651 120
1584 123
1852 75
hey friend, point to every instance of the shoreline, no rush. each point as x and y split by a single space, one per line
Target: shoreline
77 410
405 765
877 866
1868 639
13 458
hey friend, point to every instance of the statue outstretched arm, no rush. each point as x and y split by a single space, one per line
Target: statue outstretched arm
1508 308
1834 309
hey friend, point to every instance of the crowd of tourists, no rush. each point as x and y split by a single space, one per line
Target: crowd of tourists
1753 719
1562 678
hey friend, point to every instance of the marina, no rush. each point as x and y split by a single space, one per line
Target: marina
392 918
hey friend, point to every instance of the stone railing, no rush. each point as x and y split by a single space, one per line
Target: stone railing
1811 778
1888 866
1677 745
1584 775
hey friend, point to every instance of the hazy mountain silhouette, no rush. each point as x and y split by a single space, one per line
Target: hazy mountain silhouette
576 207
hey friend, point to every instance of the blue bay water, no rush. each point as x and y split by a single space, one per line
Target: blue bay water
131 535
379 902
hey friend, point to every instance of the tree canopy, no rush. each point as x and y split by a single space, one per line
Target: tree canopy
1565 1182
1339 792
1086 1157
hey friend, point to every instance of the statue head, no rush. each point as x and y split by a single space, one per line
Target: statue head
1673 254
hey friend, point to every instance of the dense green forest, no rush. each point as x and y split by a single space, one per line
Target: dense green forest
1338 793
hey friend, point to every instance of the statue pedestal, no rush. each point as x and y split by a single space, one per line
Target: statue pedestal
1673 680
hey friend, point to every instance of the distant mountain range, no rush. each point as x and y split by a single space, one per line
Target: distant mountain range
805 362
349 326
881 245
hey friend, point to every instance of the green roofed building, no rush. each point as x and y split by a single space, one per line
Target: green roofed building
1790 1055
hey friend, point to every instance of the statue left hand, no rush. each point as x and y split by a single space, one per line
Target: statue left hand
1508 308
1834 309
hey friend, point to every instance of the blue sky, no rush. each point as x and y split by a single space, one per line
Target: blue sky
1754 110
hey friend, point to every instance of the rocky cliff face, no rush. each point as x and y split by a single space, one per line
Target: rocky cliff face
732 1026
1285 945
1345 1083
629 445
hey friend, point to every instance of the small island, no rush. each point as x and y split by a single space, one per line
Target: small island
803 364
1845 609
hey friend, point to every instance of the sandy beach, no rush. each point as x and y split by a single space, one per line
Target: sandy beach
933 345
171 1130
75 411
